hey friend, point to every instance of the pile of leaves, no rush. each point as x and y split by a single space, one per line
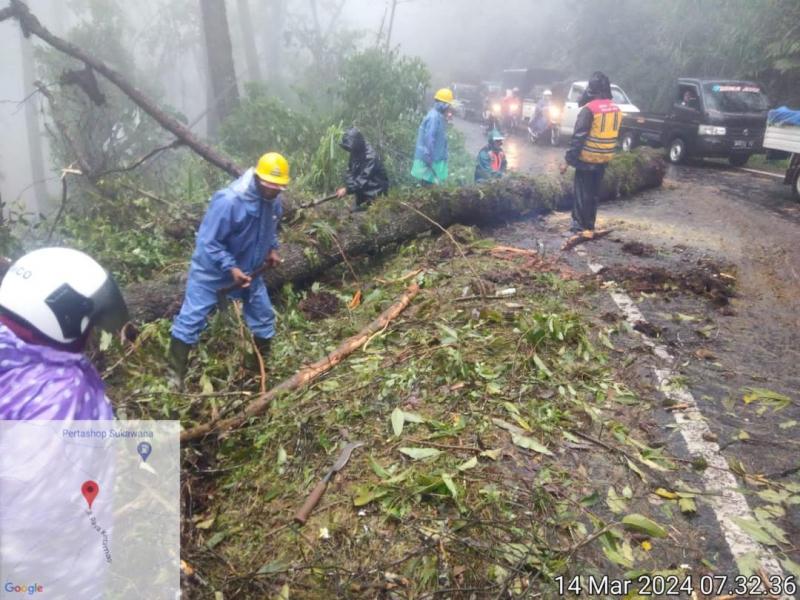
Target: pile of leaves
503 448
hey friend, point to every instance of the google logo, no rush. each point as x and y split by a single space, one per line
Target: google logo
23 589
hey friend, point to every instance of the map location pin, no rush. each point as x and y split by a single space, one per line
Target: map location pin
90 489
144 449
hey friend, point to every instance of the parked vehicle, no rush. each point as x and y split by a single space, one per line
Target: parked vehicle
571 109
783 134
704 118
468 102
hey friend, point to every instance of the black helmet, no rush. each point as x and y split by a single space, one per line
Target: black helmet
599 87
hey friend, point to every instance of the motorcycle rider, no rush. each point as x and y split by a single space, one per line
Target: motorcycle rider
50 301
541 118
492 162
511 109
366 177
592 147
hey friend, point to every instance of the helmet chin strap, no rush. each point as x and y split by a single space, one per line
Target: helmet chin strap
30 335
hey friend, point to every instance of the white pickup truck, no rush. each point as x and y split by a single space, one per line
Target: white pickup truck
571 109
786 137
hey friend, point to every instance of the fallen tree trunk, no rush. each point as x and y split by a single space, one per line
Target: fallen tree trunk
307 374
389 222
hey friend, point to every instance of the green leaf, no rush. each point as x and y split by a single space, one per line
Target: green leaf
687 505
398 419
412 418
377 468
448 481
421 453
216 539
529 443
755 531
542 367
367 494
748 564
627 492
774 496
641 524
614 502
635 469
470 464
492 454
774 399
791 566
105 340
270 568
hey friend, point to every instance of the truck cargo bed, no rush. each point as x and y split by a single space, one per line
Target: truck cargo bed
783 137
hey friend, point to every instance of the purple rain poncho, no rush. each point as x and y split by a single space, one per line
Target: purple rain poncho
39 382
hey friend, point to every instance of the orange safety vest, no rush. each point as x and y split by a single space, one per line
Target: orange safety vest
601 144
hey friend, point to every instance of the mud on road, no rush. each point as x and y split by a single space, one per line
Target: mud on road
711 261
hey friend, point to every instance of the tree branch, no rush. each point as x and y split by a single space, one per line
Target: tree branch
31 25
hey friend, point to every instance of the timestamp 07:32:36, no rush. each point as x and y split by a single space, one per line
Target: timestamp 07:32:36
678 585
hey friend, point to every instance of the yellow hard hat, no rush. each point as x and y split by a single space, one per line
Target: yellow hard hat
273 168
444 95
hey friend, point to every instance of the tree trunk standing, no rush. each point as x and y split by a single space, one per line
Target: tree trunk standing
272 35
249 40
219 52
32 126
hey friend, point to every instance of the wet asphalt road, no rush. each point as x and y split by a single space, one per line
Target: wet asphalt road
749 224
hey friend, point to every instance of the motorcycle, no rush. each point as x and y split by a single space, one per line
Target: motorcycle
491 117
545 128
511 116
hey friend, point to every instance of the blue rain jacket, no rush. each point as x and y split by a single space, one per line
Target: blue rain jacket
432 136
238 230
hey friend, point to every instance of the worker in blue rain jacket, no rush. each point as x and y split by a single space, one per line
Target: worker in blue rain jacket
430 155
237 236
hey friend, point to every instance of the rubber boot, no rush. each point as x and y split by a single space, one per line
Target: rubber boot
178 360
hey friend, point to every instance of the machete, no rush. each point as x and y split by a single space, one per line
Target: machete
301 516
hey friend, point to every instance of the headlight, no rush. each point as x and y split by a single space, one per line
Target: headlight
514 107
710 130
554 112
496 108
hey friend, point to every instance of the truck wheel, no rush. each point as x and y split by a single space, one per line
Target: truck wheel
628 141
738 160
677 151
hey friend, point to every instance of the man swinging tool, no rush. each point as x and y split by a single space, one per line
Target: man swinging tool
237 235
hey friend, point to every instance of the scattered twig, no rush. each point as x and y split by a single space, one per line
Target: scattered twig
64 172
448 234
583 237
143 159
307 374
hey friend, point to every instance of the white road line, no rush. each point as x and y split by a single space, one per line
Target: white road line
767 173
726 502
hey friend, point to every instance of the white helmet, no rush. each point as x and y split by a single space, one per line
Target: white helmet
61 293
547 93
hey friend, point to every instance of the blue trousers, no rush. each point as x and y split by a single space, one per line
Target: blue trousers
201 299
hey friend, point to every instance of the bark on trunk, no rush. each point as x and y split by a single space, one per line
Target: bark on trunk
249 40
31 26
220 59
389 223
34 134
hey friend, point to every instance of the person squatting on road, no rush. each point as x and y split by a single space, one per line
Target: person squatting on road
237 236
366 177
50 301
430 154
592 146
492 162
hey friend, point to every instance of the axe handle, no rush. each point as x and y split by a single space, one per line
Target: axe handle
235 286
301 516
